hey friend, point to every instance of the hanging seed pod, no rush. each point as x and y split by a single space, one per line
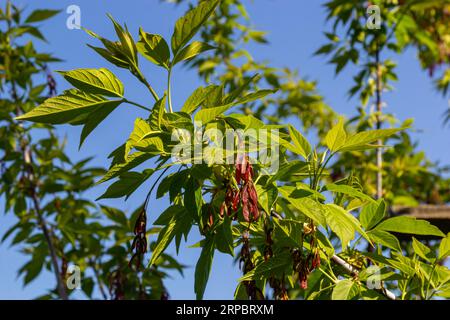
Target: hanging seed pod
139 245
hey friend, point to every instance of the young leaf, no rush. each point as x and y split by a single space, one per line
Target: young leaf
444 247
345 290
307 206
343 224
362 140
205 116
191 50
422 250
409 225
130 162
186 27
336 137
140 131
95 81
224 237
67 107
372 214
127 184
385 239
300 142
203 267
154 48
348 190
41 15
94 120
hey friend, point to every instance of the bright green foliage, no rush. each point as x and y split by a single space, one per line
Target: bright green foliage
284 223
56 225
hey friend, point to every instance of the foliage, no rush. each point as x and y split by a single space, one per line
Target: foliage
285 227
57 225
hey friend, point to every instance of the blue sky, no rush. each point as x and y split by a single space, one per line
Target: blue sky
295 30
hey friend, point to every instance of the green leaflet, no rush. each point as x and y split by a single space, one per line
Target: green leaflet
186 27
360 140
127 184
203 267
385 239
224 237
345 290
154 48
179 225
41 15
302 146
140 132
96 81
348 190
343 224
67 107
307 206
279 262
190 51
409 225
130 162
335 138
372 214
444 247
205 116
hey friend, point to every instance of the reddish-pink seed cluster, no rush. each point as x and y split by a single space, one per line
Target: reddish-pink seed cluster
245 196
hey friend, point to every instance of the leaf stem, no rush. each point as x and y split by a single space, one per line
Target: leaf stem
136 104
169 95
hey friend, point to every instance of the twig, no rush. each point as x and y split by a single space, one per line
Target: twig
351 270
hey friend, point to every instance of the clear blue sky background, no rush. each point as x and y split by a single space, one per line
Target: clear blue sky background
295 32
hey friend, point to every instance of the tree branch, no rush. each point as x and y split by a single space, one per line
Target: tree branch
351 270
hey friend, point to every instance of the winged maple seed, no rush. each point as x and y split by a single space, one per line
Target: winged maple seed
247 192
139 245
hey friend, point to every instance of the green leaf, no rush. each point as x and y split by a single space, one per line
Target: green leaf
307 206
238 91
409 225
361 140
224 237
345 290
372 214
180 224
191 50
115 215
94 120
130 162
384 238
203 267
348 190
41 15
266 197
336 137
343 224
187 26
444 247
300 142
67 107
95 81
255 96
207 115
276 263
127 184
422 250
154 48
194 100
140 131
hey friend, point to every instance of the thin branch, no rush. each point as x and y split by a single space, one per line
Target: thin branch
26 152
351 270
